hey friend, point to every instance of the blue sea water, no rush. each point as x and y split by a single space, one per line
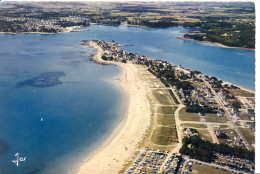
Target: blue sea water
79 114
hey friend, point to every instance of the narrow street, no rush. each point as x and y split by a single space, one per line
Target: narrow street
219 101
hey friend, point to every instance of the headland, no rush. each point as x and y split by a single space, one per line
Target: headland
166 105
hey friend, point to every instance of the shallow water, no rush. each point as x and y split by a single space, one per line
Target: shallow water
79 112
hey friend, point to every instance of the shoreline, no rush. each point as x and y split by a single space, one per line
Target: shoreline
66 30
72 29
101 61
116 151
218 44
242 88
122 143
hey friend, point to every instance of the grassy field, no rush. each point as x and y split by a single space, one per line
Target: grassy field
215 118
162 140
163 97
197 84
222 141
166 109
206 170
191 125
223 126
249 134
184 116
164 132
204 134
166 120
244 116
239 92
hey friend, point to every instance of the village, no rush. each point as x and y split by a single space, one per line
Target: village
27 24
215 111
198 123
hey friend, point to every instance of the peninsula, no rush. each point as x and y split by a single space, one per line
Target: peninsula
230 24
177 120
170 108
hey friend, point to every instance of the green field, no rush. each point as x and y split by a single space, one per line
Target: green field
185 116
191 125
207 170
164 135
165 131
204 134
244 117
249 134
215 118
166 109
239 92
163 97
223 126
166 120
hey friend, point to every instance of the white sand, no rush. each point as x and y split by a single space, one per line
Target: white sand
123 142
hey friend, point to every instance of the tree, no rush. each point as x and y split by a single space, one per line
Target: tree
236 105
161 66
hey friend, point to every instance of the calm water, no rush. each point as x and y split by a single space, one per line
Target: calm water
79 113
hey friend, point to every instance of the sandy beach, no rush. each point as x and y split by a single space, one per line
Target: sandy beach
123 143
245 89
219 44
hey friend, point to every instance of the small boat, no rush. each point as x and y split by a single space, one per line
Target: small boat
41 119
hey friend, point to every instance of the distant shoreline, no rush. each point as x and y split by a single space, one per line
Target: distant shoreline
219 44
66 30
73 29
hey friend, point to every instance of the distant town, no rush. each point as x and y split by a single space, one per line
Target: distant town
219 115
230 24
194 123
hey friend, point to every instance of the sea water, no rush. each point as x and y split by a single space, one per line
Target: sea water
55 127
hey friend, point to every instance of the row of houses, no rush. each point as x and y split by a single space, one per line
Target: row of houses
202 96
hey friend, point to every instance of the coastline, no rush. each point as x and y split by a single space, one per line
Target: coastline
218 44
245 89
74 29
121 145
123 142
66 30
